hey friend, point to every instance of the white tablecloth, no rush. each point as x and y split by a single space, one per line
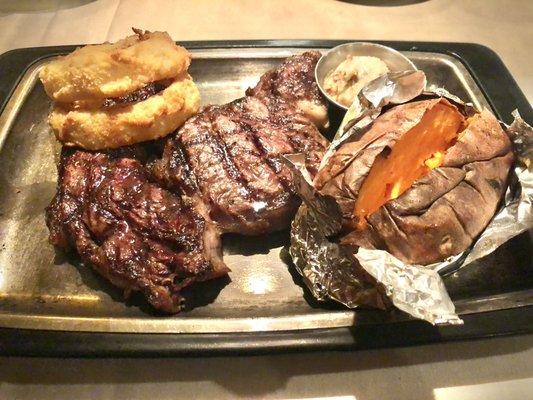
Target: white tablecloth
484 369
504 26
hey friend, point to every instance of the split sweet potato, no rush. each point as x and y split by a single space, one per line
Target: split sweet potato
422 183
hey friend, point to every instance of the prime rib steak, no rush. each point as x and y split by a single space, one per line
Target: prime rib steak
228 156
155 227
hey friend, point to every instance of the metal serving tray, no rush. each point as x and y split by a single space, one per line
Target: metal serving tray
47 296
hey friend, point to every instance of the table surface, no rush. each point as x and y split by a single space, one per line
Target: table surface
489 369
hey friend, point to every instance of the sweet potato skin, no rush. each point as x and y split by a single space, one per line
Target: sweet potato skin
444 211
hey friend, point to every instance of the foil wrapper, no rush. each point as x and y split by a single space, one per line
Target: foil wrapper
391 88
329 270
375 278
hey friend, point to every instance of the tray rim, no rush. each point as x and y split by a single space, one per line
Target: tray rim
39 343
304 321
187 324
10 343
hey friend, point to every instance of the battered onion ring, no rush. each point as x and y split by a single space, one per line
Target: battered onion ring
92 73
150 119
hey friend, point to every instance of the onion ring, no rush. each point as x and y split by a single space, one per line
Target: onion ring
155 117
93 73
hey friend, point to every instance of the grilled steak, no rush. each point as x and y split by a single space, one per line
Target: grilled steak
134 233
294 82
228 157
223 166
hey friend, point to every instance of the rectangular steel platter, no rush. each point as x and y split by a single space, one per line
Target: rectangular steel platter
41 289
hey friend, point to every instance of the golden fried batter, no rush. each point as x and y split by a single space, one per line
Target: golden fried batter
153 118
97 72
118 94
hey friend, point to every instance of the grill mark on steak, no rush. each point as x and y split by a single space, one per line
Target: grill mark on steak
219 145
176 170
273 163
249 158
234 150
206 161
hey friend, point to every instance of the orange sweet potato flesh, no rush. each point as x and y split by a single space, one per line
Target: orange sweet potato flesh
413 156
441 213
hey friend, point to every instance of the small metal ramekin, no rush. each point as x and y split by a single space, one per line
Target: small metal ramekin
395 61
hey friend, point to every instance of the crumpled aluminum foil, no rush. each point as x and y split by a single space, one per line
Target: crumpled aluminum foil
374 277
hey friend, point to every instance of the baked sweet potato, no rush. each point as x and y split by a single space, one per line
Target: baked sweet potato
422 183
